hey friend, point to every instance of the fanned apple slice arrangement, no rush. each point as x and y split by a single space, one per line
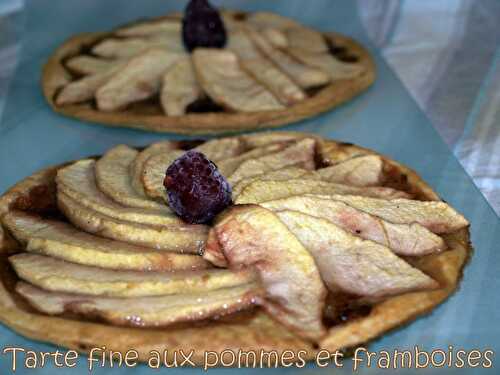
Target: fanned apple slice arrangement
196 231
265 67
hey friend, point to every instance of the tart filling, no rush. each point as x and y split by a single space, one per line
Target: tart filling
305 240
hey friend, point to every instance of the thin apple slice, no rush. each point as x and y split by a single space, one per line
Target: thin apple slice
359 171
137 166
306 39
60 276
180 88
112 173
221 149
63 241
404 239
188 239
300 154
353 265
169 25
116 48
263 191
335 68
85 88
269 19
251 236
78 182
228 166
222 78
305 76
438 217
263 70
154 311
284 174
84 64
153 174
276 37
139 79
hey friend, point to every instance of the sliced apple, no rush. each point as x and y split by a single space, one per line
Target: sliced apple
60 276
169 25
335 68
85 88
353 265
305 76
137 166
438 217
180 87
153 174
84 64
139 79
300 154
221 149
251 236
78 182
404 239
306 39
263 70
154 311
263 191
359 171
131 47
113 179
63 241
269 19
276 37
227 84
189 239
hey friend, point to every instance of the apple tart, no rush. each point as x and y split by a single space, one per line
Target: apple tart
317 244
205 71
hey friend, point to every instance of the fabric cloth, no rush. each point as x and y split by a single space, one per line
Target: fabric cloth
446 53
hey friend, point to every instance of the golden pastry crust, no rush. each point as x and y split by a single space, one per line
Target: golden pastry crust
150 116
251 332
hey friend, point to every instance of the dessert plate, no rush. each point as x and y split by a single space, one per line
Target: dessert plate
268 71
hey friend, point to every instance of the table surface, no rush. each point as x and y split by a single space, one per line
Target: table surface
386 118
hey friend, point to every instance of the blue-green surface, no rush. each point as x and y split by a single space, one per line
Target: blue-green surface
385 118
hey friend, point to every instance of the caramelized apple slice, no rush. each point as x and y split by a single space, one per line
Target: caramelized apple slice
263 191
305 76
306 39
138 80
137 166
284 174
404 239
186 238
154 311
353 265
263 70
222 78
153 27
327 63
59 276
78 182
63 241
113 179
91 65
298 154
180 88
438 217
85 88
228 166
154 173
251 236
359 171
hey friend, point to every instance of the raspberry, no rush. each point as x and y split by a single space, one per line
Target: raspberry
202 26
196 189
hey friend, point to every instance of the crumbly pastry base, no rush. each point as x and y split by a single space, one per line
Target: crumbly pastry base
253 333
147 116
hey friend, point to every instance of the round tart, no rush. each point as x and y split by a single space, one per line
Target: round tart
271 71
327 245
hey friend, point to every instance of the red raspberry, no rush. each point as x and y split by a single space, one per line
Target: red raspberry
196 189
